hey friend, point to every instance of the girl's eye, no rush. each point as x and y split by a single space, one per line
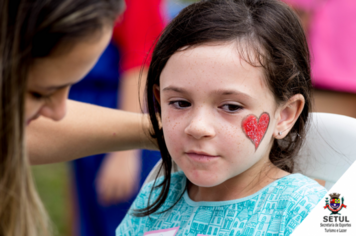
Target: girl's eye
180 104
231 107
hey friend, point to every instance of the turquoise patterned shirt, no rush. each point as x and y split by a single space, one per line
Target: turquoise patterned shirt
275 210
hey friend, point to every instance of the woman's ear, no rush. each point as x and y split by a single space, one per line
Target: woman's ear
287 115
156 93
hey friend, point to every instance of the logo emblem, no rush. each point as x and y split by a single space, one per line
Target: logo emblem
335 205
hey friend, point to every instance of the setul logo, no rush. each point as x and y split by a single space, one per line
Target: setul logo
335 222
334 205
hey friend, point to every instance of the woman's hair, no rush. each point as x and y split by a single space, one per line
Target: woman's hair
30 29
274 36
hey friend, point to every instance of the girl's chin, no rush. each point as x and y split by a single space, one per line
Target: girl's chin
205 180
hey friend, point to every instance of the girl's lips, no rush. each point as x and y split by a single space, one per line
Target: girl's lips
201 157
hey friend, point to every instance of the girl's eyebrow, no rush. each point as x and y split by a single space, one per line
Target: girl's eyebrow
232 92
221 92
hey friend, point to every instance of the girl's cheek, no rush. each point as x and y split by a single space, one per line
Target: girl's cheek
234 140
171 134
255 127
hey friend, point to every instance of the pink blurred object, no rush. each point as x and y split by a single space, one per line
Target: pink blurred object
332 42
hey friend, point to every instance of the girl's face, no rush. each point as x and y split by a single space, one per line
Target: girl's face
209 97
51 77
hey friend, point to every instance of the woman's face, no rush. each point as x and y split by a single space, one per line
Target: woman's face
211 101
50 77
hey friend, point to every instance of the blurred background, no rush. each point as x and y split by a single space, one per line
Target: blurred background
89 197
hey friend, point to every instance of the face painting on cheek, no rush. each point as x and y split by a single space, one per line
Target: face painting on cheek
254 128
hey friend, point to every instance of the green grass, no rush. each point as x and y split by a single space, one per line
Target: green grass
52 183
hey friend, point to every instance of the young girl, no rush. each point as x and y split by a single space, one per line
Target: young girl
229 95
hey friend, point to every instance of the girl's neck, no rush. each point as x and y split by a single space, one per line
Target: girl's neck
240 186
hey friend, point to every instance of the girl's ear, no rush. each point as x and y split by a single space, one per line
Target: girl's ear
156 93
288 115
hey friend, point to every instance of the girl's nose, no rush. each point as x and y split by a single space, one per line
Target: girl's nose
200 126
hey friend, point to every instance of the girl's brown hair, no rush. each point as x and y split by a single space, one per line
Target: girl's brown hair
30 29
274 36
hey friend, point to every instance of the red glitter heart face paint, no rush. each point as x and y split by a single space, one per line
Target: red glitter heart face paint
254 128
